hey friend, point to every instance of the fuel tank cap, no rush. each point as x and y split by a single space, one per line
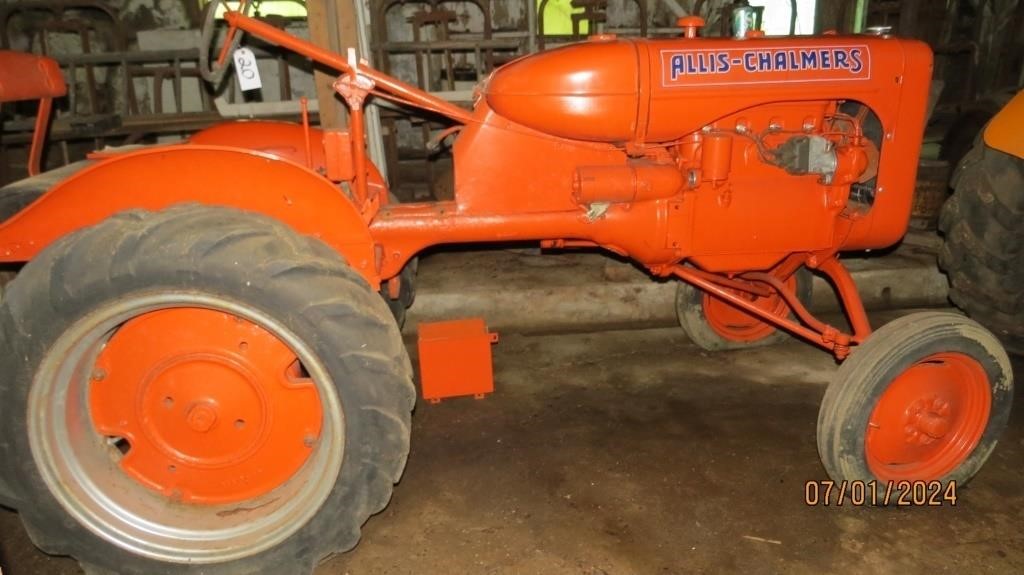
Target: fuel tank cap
690 25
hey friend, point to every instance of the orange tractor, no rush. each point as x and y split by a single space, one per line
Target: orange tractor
202 373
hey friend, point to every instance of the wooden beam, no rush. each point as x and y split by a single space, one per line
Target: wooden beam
910 13
836 15
332 25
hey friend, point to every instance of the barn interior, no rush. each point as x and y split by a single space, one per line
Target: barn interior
611 443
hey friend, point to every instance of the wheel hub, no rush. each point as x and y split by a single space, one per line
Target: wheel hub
203 406
202 416
929 419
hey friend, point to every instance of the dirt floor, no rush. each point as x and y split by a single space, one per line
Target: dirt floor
634 453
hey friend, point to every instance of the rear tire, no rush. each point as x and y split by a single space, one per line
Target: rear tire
218 265
727 327
983 247
17 195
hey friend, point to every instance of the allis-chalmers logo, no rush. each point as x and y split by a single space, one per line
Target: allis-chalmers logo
767 65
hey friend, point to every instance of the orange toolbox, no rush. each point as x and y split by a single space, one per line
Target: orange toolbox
455 359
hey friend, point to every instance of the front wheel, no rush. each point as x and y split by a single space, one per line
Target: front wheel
714 324
213 392
925 398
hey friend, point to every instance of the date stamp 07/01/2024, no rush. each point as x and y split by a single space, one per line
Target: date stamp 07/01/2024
826 493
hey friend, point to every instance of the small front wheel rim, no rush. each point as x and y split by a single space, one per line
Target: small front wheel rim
78 429
929 419
734 324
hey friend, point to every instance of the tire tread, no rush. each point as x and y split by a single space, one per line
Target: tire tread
220 244
983 247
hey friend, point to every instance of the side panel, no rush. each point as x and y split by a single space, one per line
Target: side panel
155 178
1004 131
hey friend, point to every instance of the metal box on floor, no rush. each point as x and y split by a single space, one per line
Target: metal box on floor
455 359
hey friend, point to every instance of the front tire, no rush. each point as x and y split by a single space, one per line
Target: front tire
199 388
925 398
715 325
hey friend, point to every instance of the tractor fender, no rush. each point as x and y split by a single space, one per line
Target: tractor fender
158 177
1003 132
289 141
281 139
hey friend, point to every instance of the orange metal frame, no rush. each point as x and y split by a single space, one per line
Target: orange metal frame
652 149
30 77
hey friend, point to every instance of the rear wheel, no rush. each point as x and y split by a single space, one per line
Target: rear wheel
925 398
983 244
216 392
714 324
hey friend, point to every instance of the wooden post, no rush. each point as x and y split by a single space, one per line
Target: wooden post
839 15
910 12
332 25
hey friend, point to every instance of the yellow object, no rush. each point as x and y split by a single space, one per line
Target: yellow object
1006 130
558 18
283 8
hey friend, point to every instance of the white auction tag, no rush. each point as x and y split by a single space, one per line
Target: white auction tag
246 71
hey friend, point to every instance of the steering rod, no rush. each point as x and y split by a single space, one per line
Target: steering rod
388 84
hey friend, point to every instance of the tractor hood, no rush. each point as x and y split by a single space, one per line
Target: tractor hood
620 90
585 91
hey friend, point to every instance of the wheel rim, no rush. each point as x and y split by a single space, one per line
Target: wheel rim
198 398
244 453
929 419
734 324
